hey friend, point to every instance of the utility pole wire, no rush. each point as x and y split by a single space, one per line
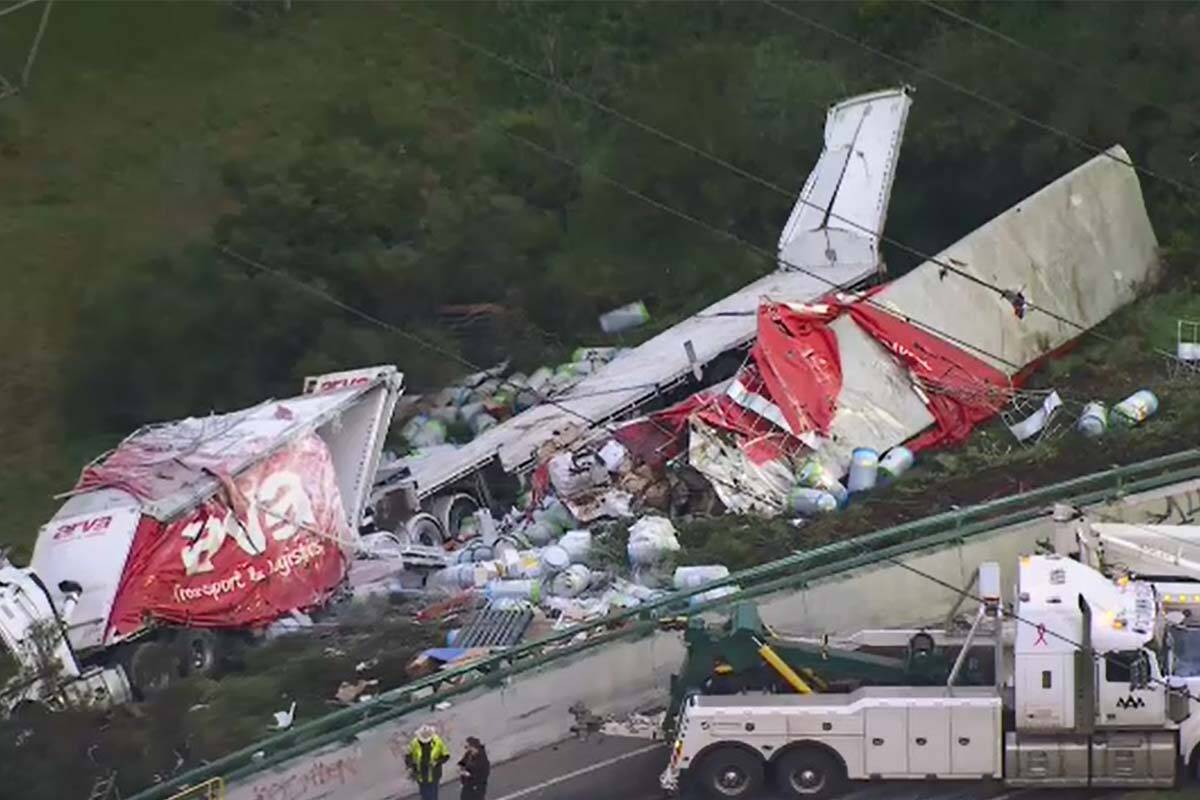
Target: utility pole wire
37 42
982 98
1059 62
946 266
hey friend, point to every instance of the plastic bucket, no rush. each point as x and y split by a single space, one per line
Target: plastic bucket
895 462
578 545
555 559
712 594
514 590
695 577
1136 408
571 582
864 469
810 502
1093 421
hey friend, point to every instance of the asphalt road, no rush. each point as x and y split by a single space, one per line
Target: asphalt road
618 768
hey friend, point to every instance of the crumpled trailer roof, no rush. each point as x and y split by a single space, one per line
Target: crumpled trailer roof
832 234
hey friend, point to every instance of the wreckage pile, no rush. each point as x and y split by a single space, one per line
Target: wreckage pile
730 448
458 414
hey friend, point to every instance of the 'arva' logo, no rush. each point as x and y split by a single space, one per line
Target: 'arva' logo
83 528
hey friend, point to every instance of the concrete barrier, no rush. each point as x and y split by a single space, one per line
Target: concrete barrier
532 710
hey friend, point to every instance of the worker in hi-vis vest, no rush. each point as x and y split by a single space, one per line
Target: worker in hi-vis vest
426 755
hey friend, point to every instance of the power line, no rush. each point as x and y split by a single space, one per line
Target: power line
1060 62
982 98
945 265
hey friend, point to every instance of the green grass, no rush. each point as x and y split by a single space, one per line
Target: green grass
115 154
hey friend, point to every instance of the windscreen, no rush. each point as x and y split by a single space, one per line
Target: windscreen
1185 647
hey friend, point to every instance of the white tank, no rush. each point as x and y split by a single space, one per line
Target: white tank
695 577
895 462
811 502
864 469
1136 408
1093 421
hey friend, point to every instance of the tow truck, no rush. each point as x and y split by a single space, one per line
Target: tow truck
1094 683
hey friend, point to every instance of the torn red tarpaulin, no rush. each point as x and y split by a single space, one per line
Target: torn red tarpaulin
959 389
661 436
797 358
794 379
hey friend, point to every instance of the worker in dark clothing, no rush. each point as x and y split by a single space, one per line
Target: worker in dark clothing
474 767
426 755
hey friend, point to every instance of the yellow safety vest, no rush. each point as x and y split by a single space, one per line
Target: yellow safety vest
438 753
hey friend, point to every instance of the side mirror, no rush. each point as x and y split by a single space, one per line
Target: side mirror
1179 704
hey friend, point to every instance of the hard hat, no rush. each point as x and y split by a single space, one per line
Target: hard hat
425 733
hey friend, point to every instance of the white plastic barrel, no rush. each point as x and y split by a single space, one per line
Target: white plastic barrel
514 590
558 516
540 533
578 545
1134 409
815 476
864 469
712 594
555 559
454 578
1093 421
895 462
571 582
650 540
481 422
695 577
810 502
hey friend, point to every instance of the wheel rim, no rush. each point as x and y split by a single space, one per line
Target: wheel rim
807 780
731 781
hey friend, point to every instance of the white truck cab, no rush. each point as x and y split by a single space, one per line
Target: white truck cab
1082 699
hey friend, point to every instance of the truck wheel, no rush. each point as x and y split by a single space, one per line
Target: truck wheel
809 773
153 666
730 772
199 652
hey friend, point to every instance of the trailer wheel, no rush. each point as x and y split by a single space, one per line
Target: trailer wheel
199 652
423 528
808 772
152 667
730 772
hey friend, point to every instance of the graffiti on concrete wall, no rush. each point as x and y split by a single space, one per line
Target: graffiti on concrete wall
323 776
1178 507
313 779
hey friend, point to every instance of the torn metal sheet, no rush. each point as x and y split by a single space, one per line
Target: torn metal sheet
854 178
744 486
842 208
1079 248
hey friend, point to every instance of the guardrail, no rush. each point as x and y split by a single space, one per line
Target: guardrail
213 789
790 572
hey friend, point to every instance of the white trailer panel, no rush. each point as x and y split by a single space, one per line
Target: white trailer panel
832 233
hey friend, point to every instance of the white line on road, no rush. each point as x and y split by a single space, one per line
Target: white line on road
584 771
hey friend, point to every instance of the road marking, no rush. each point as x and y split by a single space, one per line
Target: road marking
583 771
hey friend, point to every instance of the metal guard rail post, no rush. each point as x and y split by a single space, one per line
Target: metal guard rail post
828 559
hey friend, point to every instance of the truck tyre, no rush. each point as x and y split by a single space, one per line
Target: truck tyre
808 772
152 667
199 652
730 772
